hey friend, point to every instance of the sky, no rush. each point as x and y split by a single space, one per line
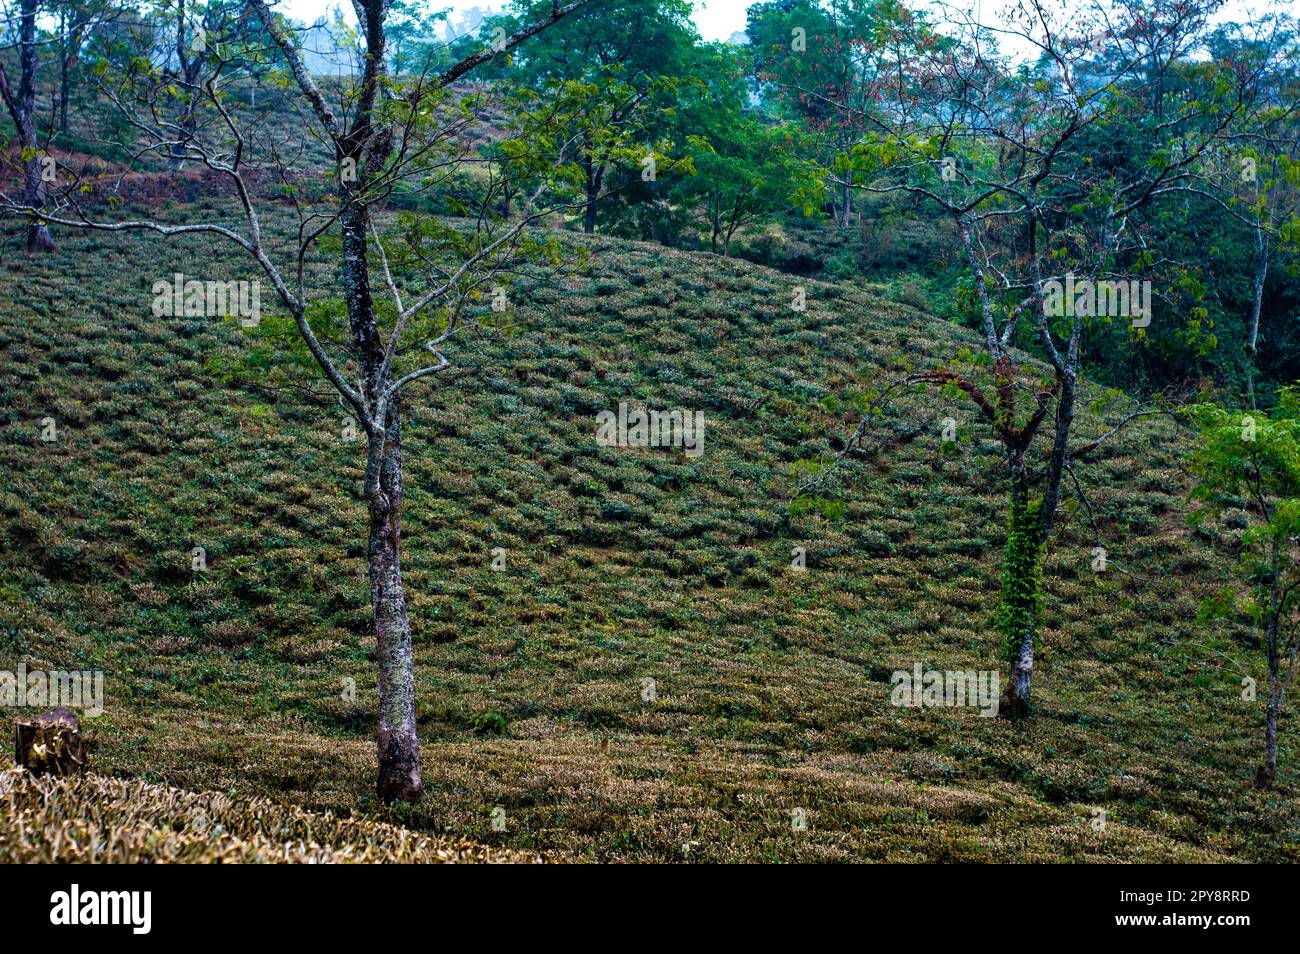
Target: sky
719 19
715 19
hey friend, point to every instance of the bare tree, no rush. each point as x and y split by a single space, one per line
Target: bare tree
1049 231
190 44
383 135
1266 161
79 22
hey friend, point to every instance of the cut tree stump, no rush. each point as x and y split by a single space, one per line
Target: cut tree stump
51 744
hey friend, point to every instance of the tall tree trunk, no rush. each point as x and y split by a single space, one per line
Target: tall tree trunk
399 746
190 65
1029 528
188 122
1021 569
1065 388
1267 773
368 139
595 177
1256 304
1022 674
398 743
22 108
846 198
63 94
60 109
38 233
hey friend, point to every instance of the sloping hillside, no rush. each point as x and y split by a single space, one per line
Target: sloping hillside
771 686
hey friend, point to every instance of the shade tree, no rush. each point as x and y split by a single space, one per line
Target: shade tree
627 61
1248 463
1051 233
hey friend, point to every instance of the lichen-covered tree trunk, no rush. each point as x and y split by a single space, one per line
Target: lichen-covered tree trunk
1021 575
1022 673
399 746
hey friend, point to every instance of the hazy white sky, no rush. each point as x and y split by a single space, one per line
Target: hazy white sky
715 19
719 19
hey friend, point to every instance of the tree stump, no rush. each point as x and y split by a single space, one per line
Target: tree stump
51 744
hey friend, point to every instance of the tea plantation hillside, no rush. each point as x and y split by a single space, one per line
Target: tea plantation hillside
771 687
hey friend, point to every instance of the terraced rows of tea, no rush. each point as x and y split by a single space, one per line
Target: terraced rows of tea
771 686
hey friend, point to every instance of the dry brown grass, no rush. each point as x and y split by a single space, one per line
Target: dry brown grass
105 820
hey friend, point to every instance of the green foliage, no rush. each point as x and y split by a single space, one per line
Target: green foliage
610 79
414 46
489 723
745 173
1249 461
1021 578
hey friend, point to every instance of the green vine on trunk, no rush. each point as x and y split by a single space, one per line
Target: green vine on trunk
1021 576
